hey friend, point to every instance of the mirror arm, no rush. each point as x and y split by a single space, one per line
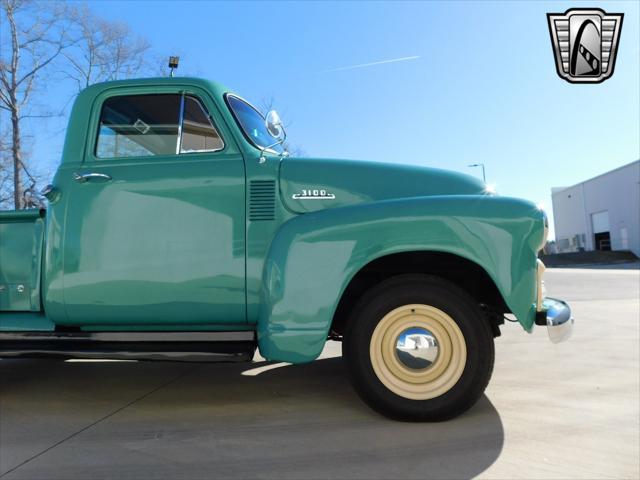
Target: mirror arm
262 158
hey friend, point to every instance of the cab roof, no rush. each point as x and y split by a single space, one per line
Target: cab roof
96 89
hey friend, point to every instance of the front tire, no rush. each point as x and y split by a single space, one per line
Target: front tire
418 348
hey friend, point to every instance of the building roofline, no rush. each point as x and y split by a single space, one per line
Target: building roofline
555 190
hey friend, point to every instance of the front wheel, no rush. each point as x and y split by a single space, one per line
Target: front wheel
418 348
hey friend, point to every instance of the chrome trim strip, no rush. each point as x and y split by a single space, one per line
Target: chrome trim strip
133 355
236 336
180 120
297 196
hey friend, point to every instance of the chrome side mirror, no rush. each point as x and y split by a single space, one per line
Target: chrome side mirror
275 128
274 124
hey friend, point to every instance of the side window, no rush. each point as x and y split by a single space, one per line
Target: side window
148 125
138 126
198 134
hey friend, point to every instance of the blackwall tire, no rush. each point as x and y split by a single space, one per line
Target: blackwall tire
418 348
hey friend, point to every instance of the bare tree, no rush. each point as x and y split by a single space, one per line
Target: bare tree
29 178
36 35
6 178
103 51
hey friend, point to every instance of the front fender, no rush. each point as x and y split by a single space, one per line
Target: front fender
313 257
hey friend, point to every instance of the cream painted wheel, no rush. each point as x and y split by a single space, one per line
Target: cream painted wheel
440 352
418 347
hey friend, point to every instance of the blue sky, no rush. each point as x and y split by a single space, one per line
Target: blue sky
477 83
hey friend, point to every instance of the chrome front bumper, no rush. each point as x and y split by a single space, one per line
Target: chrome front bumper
556 315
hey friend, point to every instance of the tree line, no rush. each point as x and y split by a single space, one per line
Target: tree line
41 41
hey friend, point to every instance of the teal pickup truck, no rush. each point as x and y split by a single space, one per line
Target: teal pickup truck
178 228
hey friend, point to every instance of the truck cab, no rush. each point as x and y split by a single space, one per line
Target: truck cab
177 227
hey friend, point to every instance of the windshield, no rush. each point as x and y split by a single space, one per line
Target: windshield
252 124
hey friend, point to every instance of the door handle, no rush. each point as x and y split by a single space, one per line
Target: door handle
83 177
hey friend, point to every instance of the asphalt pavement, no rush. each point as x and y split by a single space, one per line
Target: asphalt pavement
550 411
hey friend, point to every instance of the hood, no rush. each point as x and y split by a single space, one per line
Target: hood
312 184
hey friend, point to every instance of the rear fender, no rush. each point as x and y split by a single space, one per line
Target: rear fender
21 240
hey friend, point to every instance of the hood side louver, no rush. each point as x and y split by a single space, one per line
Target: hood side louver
262 198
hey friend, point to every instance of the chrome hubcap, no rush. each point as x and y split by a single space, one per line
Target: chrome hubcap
418 351
417 348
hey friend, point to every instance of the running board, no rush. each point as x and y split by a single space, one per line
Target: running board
168 346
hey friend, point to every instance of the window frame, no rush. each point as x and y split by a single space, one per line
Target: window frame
181 125
239 124
94 133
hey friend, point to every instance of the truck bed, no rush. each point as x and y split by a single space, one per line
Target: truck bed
21 242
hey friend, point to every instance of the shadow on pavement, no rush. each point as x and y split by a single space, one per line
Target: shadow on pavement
172 420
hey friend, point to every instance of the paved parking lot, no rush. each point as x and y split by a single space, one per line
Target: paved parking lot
551 411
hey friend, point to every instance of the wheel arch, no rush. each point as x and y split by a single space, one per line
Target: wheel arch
461 271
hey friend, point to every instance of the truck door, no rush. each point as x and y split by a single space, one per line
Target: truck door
155 216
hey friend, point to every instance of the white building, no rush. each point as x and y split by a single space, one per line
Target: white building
602 213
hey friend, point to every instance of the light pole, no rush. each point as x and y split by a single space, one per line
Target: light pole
484 178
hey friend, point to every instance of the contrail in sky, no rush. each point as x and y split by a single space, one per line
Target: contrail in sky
363 65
